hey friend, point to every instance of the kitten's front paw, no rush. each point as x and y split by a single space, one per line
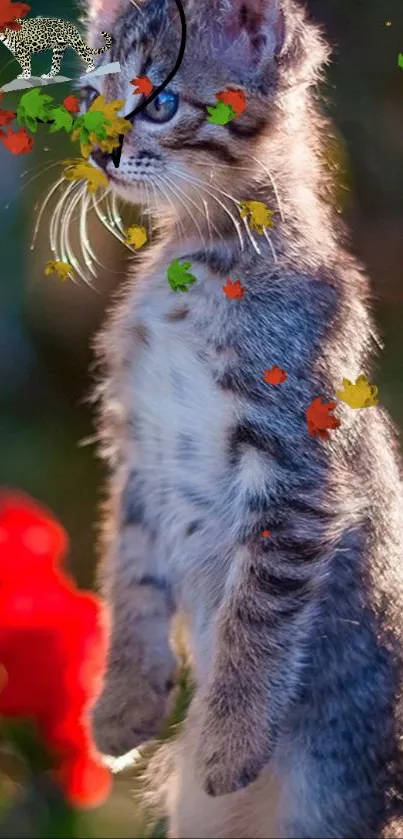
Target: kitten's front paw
232 752
131 711
24 76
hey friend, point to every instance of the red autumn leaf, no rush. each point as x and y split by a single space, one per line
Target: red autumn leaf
18 142
235 98
142 85
6 117
266 533
319 419
72 104
275 376
9 12
234 291
52 646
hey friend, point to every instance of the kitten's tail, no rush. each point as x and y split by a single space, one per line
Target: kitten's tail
108 43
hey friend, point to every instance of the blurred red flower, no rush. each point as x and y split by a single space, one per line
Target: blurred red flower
52 645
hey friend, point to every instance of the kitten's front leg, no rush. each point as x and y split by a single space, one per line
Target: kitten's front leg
141 667
263 625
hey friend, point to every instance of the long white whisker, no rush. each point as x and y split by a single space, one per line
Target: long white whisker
270 176
105 220
165 192
249 232
51 192
202 185
196 224
116 215
65 241
60 206
137 7
265 233
88 253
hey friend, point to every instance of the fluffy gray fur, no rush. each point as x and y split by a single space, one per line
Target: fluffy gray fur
295 640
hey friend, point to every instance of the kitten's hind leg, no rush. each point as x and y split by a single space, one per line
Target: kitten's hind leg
58 53
23 57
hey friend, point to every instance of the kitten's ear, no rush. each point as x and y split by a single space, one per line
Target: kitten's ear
103 13
255 25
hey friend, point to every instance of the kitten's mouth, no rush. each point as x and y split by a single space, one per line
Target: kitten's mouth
115 179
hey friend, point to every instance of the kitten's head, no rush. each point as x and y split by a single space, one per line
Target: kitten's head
262 47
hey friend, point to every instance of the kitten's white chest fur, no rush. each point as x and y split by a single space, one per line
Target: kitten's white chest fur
181 421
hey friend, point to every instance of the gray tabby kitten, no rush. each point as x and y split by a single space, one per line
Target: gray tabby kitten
295 639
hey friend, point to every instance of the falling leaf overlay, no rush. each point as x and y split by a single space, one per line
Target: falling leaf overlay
83 170
400 59
275 376
72 103
33 106
18 142
136 236
319 419
52 647
359 395
6 117
259 215
220 114
61 119
62 269
142 84
178 277
9 12
102 130
235 98
234 290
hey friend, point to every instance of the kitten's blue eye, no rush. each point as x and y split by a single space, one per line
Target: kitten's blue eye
163 107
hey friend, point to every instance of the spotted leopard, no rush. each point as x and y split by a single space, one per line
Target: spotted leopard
43 33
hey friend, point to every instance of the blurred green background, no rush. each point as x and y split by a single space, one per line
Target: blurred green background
46 326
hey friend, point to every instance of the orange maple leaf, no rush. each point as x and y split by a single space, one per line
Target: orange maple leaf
266 533
9 12
234 290
18 142
72 104
235 98
319 419
6 117
275 376
142 84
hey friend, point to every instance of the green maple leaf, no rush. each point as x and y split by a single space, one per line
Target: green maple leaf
178 277
92 122
400 59
33 107
61 119
220 114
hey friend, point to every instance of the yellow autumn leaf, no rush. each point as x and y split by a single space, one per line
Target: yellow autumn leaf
359 395
104 145
259 215
118 125
62 269
136 236
83 170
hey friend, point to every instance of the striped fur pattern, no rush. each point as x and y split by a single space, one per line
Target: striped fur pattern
294 639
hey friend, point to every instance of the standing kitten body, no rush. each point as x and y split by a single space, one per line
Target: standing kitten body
295 638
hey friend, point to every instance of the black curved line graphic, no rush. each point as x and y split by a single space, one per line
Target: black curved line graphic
117 153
